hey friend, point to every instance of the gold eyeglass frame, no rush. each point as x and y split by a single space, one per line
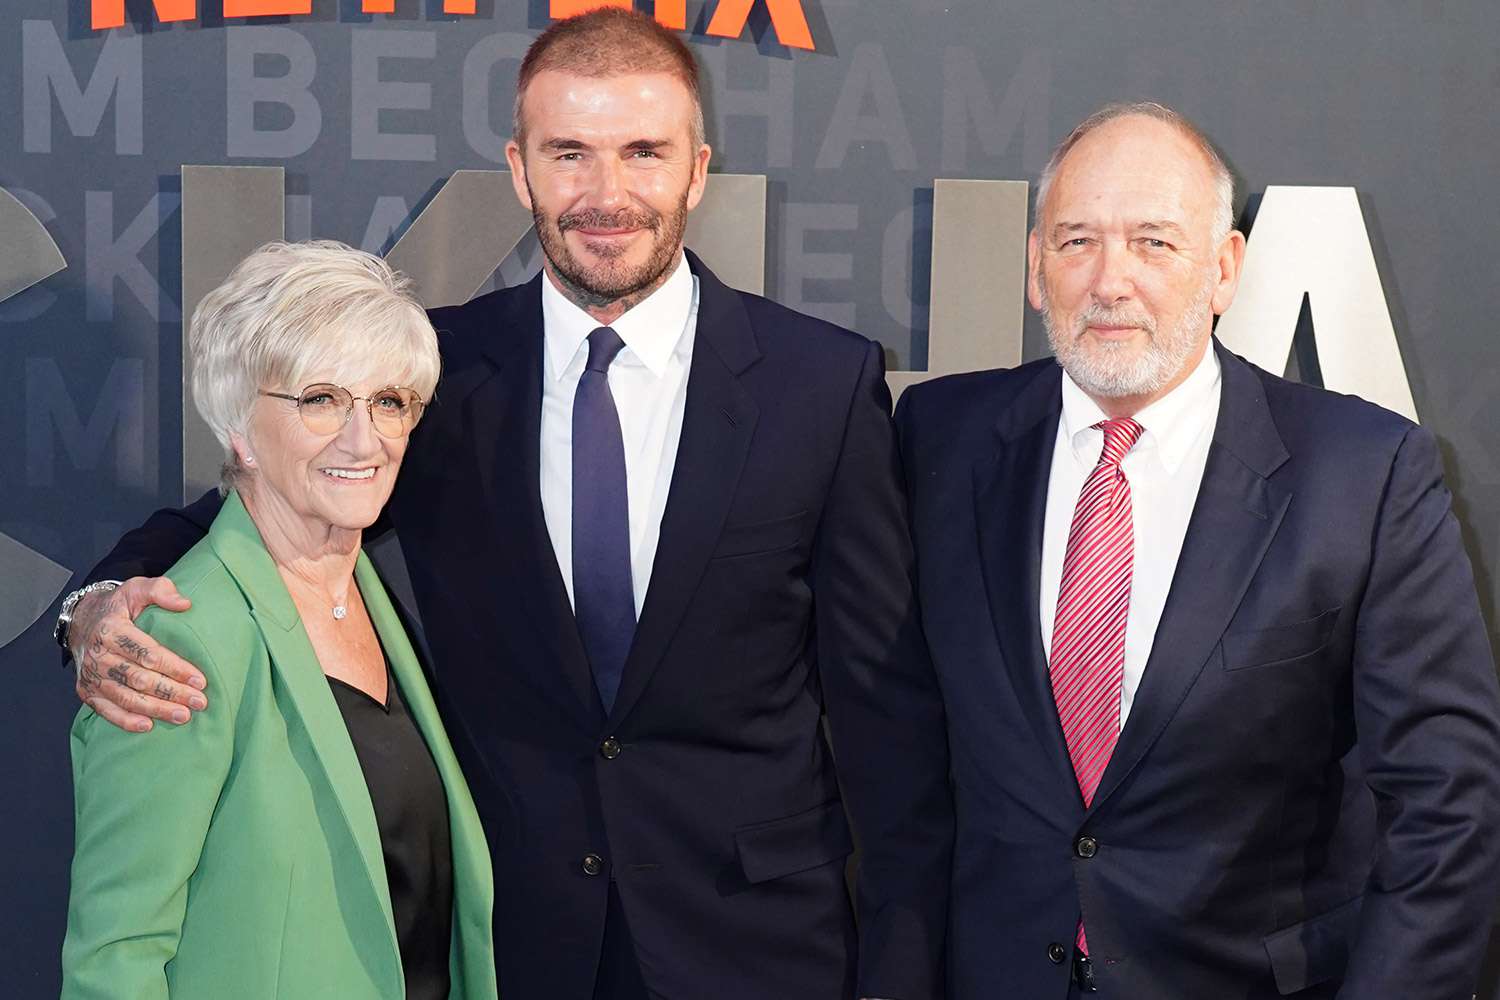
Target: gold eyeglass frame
418 403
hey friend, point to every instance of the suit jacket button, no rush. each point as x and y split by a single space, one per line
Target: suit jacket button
1056 953
1086 847
592 864
610 748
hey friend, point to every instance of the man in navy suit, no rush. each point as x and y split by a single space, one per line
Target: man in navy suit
649 530
1222 710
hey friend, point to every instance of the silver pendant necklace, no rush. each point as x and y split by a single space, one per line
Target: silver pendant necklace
340 611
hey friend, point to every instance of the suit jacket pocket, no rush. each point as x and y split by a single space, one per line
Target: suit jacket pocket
754 537
794 844
1257 647
1314 951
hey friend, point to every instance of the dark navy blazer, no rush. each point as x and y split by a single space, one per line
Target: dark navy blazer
781 587
1304 797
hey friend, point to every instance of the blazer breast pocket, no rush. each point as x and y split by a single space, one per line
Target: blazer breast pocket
750 538
1278 643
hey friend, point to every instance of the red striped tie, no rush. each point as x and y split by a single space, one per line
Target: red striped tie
1088 635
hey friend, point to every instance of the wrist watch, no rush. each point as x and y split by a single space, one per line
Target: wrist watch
65 613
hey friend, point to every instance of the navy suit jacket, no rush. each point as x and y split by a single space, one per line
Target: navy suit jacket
1304 795
782 586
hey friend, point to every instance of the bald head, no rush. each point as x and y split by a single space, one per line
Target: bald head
1219 178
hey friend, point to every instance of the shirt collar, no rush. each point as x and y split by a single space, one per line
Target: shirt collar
1171 424
651 329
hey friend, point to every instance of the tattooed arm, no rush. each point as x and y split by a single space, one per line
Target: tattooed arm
122 673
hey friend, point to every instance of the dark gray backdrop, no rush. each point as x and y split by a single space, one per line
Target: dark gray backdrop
1392 98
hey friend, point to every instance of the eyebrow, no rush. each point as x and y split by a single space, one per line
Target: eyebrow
558 144
561 144
1159 226
1069 227
1146 226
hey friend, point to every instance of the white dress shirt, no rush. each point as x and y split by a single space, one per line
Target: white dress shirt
1164 470
648 380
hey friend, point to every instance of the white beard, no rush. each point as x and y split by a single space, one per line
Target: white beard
1114 370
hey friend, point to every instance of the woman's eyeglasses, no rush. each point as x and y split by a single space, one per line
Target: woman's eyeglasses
325 408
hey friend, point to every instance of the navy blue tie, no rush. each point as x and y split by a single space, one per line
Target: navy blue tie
603 598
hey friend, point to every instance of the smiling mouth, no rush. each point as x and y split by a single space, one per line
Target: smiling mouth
354 475
594 234
594 224
1113 333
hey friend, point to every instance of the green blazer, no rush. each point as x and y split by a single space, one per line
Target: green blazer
238 855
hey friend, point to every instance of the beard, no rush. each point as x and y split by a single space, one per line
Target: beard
1116 370
611 278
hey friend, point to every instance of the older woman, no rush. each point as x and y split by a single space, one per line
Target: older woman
309 835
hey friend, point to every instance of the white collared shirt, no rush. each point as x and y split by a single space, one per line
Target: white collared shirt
648 380
1164 470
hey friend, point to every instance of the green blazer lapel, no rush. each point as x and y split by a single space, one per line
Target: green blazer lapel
473 877
304 694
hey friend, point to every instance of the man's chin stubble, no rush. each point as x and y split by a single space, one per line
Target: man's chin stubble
593 294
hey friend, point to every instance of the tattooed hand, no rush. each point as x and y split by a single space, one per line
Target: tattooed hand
123 674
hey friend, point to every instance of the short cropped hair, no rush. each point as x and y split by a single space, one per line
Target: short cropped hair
609 41
1223 179
291 314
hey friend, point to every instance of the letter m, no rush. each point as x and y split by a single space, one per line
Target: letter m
46 73
52 415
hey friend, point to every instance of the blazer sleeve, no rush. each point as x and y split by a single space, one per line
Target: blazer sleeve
1427 711
151 549
885 711
142 806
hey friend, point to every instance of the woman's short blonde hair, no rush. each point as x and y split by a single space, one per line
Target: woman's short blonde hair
294 313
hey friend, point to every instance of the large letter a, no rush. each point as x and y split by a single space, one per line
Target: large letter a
1313 241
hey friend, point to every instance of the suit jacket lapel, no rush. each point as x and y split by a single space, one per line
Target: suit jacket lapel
389 561
473 877
1236 515
718 423
1010 497
303 691
504 420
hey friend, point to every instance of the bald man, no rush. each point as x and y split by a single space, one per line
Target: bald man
1222 709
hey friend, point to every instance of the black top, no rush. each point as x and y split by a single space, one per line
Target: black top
411 810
